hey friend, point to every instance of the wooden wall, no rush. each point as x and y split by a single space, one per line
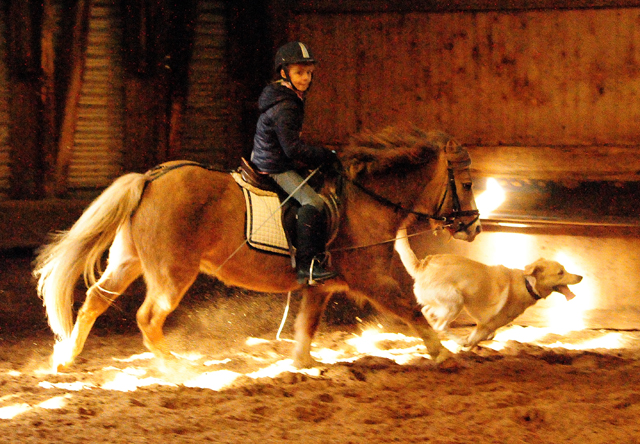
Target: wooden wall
539 90
545 93
96 88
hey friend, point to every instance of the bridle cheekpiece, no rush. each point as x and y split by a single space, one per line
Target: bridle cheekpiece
450 220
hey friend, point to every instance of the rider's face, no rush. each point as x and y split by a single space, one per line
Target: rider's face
300 75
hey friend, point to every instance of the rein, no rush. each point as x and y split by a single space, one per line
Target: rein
375 244
448 219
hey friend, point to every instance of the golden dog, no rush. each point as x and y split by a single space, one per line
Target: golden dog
492 295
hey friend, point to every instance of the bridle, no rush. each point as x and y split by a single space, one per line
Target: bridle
450 220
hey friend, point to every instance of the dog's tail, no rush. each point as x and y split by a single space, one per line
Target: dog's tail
407 256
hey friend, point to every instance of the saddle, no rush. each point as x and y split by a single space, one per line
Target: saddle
271 217
256 178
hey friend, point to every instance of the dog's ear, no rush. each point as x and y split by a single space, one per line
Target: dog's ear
531 269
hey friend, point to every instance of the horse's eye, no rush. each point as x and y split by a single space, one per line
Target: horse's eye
467 186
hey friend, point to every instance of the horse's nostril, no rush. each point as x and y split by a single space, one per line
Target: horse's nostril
479 229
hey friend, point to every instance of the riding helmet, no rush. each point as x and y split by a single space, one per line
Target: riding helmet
293 52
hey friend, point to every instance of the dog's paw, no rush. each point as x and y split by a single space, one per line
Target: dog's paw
443 356
461 341
467 344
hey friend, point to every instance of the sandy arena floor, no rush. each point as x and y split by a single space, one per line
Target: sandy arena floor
234 384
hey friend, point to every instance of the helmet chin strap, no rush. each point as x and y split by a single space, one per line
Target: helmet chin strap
287 79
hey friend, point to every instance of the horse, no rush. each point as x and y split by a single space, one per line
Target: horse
170 227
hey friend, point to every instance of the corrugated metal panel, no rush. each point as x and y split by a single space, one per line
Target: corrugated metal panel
527 77
207 131
97 150
5 171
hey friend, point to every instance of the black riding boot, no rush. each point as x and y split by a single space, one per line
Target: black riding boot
311 241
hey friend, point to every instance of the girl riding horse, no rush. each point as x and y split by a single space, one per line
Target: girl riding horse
278 151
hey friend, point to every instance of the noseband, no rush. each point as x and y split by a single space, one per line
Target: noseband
448 220
453 218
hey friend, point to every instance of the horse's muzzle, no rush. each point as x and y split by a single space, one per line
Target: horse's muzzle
466 232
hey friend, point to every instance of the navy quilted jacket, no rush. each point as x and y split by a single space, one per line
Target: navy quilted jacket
277 146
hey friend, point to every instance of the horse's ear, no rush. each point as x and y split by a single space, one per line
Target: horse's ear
457 155
452 147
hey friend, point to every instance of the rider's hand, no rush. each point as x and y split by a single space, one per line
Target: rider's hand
332 157
333 161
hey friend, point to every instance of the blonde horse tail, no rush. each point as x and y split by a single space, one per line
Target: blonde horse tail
407 256
79 250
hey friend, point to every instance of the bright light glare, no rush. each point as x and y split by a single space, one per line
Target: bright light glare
512 225
518 334
564 316
193 356
57 402
367 344
124 382
491 198
141 356
513 250
256 341
452 345
536 336
611 341
328 355
12 411
213 380
286 365
216 362
71 386
62 353
134 371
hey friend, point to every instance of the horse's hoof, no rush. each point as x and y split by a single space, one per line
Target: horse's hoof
307 362
63 355
59 367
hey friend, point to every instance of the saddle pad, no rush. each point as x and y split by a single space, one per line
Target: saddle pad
264 230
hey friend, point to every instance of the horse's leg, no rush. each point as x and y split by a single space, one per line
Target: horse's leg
419 324
314 301
164 292
386 295
122 269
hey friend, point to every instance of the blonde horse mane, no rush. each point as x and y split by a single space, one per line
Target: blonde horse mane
393 148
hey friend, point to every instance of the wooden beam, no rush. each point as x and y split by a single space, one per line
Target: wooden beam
404 6
49 120
158 40
70 117
23 64
146 86
557 163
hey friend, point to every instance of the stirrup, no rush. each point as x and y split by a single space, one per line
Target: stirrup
315 274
